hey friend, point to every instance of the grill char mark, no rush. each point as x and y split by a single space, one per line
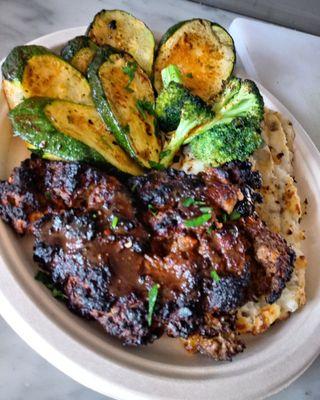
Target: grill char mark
106 272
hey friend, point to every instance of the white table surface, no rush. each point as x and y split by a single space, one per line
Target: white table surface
23 373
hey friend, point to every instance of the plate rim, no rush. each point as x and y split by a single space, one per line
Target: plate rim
47 350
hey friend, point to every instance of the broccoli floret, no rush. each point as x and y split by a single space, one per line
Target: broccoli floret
193 113
240 99
169 105
226 142
234 132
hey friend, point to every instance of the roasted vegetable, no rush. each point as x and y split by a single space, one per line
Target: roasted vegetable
225 143
79 52
123 31
170 101
121 90
178 109
31 71
234 132
203 51
69 131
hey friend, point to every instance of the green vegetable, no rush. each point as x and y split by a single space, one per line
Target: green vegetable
152 209
171 74
204 53
156 165
169 105
187 202
145 106
130 70
109 75
55 78
215 276
193 112
178 109
123 31
234 132
152 298
69 131
211 228
194 222
235 215
223 217
205 209
79 52
224 144
114 222
45 278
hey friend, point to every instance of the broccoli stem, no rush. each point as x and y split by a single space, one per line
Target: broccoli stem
176 141
169 74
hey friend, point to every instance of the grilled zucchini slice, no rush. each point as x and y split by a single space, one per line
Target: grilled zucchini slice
31 71
69 131
123 31
124 98
79 52
203 51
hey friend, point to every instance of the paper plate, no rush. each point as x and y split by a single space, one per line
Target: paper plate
163 370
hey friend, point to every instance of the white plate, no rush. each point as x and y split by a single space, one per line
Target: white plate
163 370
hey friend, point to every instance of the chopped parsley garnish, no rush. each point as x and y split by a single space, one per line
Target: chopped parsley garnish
152 209
145 106
188 201
194 222
114 222
130 70
211 228
206 209
152 298
199 203
45 278
189 75
214 275
156 165
223 218
47 195
234 215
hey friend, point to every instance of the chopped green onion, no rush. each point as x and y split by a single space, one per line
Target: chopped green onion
206 209
45 278
214 275
114 222
156 165
152 298
188 201
194 222
211 228
199 203
189 75
169 74
234 215
48 195
152 209
223 218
